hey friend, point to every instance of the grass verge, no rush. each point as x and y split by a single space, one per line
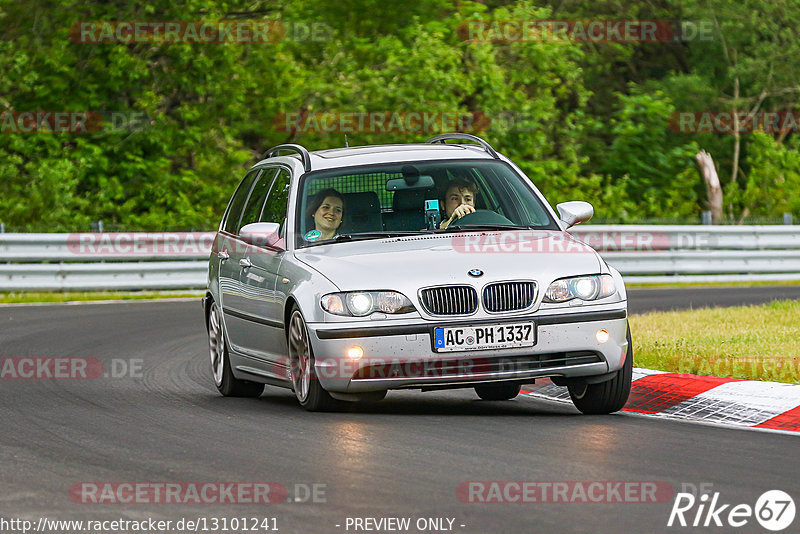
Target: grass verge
85 296
748 342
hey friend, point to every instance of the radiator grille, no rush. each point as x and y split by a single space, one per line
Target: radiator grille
508 296
450 300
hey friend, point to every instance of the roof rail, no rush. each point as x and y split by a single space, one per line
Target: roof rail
445 137
300 149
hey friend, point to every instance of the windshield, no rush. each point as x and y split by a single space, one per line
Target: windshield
418 197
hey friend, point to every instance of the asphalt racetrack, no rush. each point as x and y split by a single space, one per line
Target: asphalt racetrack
405 457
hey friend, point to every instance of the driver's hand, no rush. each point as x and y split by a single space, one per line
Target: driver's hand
462 210
459 212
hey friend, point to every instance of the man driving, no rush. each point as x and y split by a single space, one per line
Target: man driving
459 200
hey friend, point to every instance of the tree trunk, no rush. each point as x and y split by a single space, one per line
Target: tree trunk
713 189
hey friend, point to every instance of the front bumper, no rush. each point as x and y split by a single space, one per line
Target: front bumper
401 356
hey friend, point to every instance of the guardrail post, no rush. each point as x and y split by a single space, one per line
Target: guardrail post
706 218
787 218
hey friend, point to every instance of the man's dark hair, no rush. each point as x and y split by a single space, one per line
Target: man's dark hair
461 183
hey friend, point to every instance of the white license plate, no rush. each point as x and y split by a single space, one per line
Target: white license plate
499 336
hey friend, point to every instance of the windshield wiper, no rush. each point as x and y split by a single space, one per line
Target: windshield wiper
479 227
372 235
364 236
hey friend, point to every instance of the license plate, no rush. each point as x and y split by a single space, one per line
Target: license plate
500 336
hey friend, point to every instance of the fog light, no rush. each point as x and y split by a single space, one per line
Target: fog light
602 336
355 353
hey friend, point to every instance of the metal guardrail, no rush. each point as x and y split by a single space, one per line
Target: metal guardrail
173 260
82 247
624 237
100 276
697 253
98 261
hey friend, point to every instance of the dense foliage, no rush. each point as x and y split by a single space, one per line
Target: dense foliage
585 120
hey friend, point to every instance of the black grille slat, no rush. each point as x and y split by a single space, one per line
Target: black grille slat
450 300
508 296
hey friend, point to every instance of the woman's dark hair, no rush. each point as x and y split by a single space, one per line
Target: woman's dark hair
319 198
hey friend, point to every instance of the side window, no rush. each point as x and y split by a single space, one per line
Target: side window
234 213
275 208
252 210
485 199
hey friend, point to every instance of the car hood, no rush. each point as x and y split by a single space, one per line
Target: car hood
409 263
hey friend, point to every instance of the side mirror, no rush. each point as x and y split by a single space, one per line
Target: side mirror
575 212
262 234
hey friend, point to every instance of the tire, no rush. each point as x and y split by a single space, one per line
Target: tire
496 392
309 392
226 383
606 397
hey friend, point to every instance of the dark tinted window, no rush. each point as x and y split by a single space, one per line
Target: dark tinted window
238 200
275 208
252 210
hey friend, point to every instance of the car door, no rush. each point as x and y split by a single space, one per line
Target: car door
261 303
233 250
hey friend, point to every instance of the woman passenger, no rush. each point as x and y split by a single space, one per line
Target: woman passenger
326 209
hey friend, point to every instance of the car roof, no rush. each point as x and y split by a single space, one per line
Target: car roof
377 154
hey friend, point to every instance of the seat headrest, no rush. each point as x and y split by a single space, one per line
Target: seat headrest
413 199
359 202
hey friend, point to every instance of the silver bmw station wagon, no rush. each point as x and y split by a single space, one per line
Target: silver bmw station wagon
344 273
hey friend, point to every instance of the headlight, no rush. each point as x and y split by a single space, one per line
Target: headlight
582 287
363 303
359 303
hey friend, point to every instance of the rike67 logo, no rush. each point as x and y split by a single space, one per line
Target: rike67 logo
774 510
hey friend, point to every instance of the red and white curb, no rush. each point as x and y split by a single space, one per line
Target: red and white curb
707 399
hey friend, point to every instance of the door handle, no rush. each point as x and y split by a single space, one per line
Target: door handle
245 263
223 255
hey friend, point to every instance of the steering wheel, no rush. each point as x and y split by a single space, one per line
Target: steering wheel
481 217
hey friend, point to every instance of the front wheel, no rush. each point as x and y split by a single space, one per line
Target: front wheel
309 392
609 396
226 383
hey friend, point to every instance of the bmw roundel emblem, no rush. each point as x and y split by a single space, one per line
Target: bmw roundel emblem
475 273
